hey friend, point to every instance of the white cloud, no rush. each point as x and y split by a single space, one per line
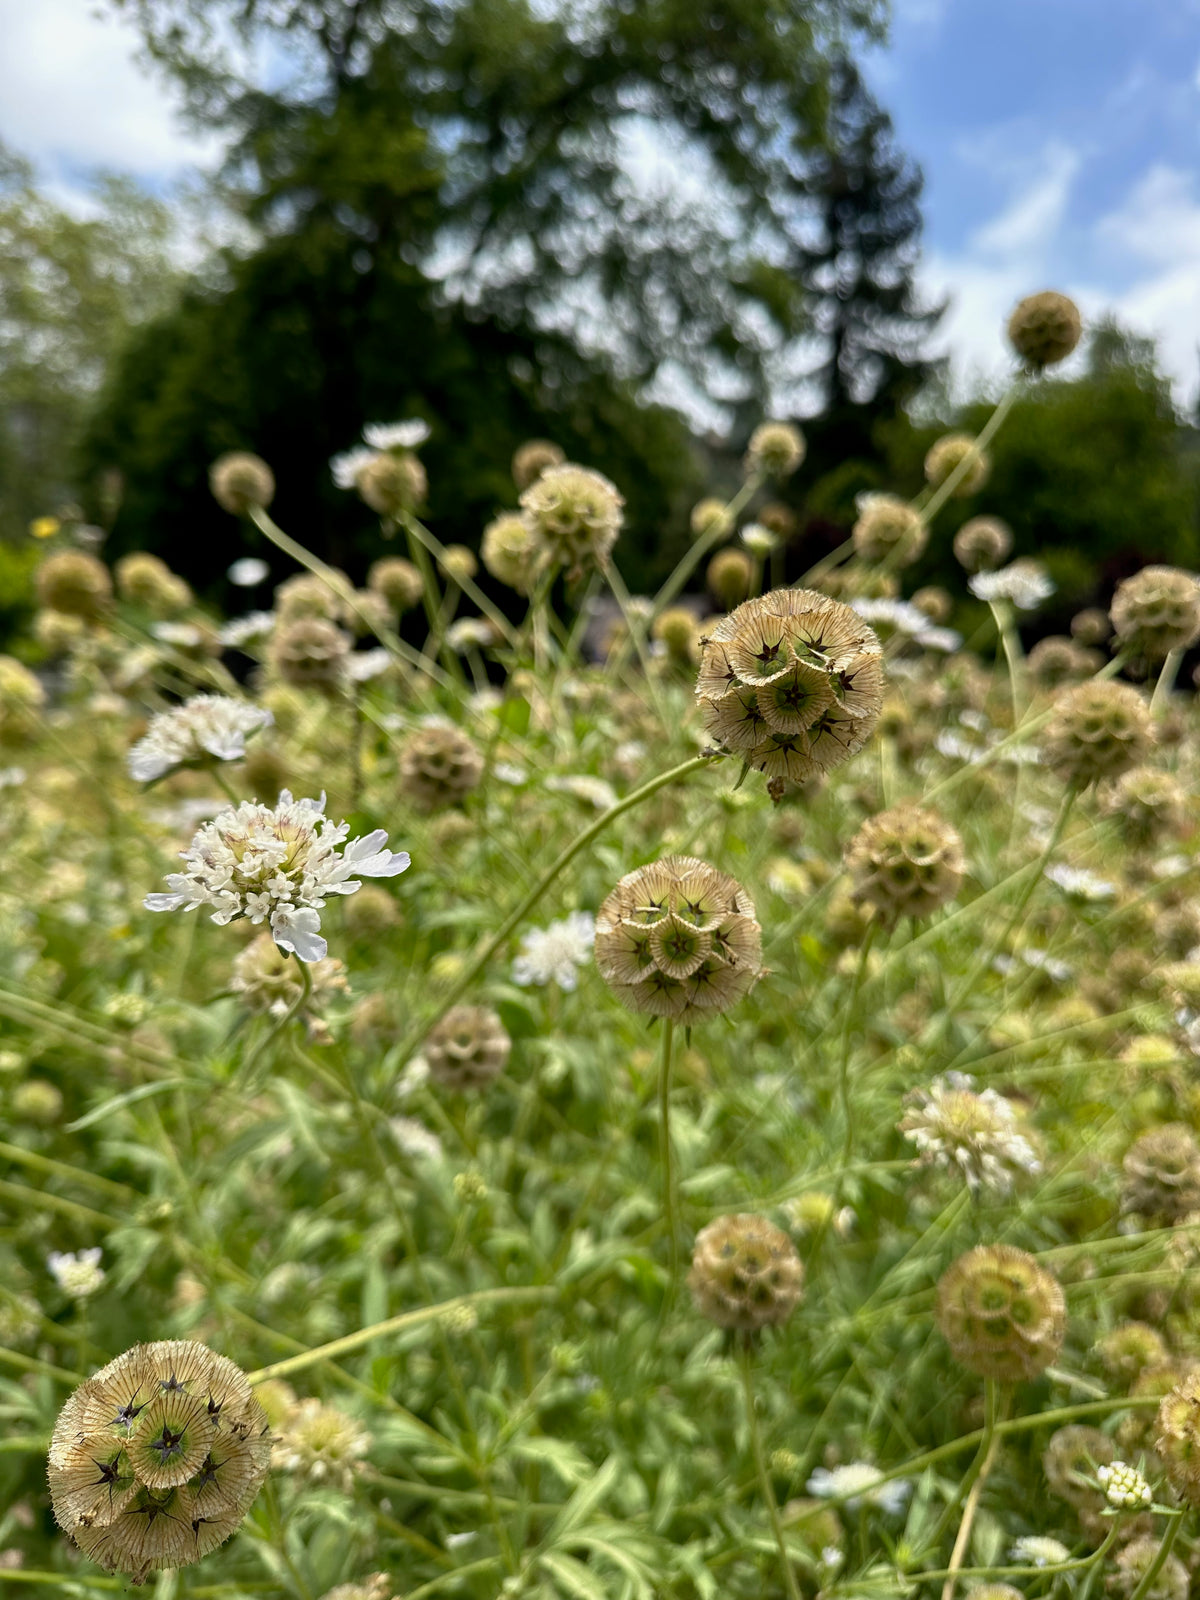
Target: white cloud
72 95
1035 212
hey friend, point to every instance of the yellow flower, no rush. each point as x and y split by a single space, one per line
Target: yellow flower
44 527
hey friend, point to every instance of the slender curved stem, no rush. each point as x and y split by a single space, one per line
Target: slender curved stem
987 433
296 1007
764 1477
988 1448
691 559
847 1032
1166 682
1160 1560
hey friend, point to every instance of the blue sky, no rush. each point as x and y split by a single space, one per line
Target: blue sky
1060 141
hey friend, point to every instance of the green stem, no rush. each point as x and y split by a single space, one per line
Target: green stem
418 531
764 1478
989 1445
847 1032
226 788
938 499
519 912
296 1007
1160 1560
664 1137
1166 682
721 529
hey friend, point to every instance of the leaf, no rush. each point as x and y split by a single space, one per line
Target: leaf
572 1576
130 1097
583 1502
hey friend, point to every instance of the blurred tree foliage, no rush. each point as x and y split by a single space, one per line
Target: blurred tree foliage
70 289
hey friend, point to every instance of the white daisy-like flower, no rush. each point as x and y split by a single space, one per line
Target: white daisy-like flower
1080 882
758 540
899 614
857 1483
943 639
592 791
246 571
1040 961
415 1139
276 865
239 631
1026 583
347 466
184 634
509 772
77 1273
207 728
977 1135
1037 1551
1124 1486
470 631
555 954
396 435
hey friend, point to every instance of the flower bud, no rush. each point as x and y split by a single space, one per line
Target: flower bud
510 551
398 581
728 577
982 543
1057 660
392 483
458 563
776 449
707 517
146 581
533 458
21 700
439 766
75 583
1003 1316
745 1273
1133 1564
240 482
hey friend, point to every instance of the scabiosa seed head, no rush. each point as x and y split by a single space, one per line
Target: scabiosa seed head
745 1273
982 543
1129 1349
678 939
377 1587
21 700
458 563
398 581
204 730
728 576
709 517
1057 660
439 767
57 633
1134 1562
934 603
264 978
977 1136
949 453
576 514
307 595
1044 329
241 482
276 865
1178 1441
1003 1315
510 551
889 529
391 482
145 580
1161 1173
776 449
467 1049
310 653
533 458
75 583
1157 611
1149 806
155 1460
677 630
906 862
792 683
322 1444
1091 626
1098 730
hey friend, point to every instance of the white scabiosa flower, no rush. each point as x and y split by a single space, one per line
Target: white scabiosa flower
555 954
276 865
254 626
77 1273
859 1483
347 466
207 728
415 1139
1037 1551
1080 882
247 571
1026 583
978 1136
592 791
363 666
396 435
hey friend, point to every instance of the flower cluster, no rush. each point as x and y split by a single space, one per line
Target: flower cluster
207 728
276 865
976 1135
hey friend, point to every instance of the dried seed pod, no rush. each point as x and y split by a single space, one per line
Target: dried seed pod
1070 1460
982 543
791 682
467 1049
155 1460
906 862
1178 1442
1003 1316
510 551
1149 806
1044 328
1134 1563
1057 660
75 584
728 576
775 448
1162 1175
310 653
439 766
533 458
889 529
576 514
1129 1349
949 453
240 482
745 1273
678 939
1157 611
398 581
1098 730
